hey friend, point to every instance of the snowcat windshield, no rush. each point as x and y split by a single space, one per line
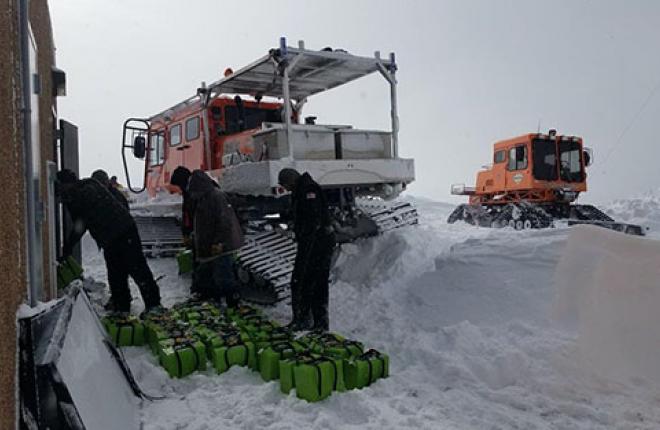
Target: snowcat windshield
544 154
570 167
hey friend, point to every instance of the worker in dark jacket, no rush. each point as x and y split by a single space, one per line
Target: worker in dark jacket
316 242
102 176
179 182
217 236
94 208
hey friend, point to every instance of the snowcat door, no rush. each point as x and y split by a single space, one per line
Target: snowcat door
135 138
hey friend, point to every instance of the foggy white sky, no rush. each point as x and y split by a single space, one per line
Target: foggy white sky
470 73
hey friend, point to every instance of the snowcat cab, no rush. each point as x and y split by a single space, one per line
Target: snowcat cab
534 179
246 127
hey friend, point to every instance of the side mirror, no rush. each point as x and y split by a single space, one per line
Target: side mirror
139 146
588 156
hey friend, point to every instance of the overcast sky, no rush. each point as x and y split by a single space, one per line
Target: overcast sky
470 73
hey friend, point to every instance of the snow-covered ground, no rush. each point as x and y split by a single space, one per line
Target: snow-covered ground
465 315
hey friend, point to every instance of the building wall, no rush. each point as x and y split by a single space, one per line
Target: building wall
12 229
13 278
43 33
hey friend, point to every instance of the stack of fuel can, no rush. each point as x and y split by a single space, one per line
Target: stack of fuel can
194 336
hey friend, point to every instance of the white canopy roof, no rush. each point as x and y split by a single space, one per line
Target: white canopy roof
313 72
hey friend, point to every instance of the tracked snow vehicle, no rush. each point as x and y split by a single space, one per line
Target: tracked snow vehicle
244 128
534 181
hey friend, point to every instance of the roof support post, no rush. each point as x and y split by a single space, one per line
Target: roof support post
288 111
205 93
389 73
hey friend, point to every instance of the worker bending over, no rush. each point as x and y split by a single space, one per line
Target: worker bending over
92 207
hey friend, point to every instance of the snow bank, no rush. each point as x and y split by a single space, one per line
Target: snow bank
609 285
25 311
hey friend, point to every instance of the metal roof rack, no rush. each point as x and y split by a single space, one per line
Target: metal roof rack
309 72
293 74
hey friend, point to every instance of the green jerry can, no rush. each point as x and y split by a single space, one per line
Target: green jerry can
362 371
334 345
157 332
212 323
215 338
182 356
269 358
210 320
68 271
241 312
255 323
263 339
234 353
196 310
314 377
258 328
184 260
194 315
124 330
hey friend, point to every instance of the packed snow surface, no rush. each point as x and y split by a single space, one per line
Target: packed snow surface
466 316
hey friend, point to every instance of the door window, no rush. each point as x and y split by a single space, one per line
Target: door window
175 135
192 129
157 149
517 158
544 156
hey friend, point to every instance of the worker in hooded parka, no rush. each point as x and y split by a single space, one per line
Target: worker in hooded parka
217 237
179 182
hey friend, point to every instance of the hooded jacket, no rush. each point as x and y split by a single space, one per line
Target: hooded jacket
215 221
93 207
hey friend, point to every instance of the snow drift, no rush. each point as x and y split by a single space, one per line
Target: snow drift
608 284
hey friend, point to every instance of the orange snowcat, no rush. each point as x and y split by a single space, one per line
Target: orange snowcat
534 180
243 129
